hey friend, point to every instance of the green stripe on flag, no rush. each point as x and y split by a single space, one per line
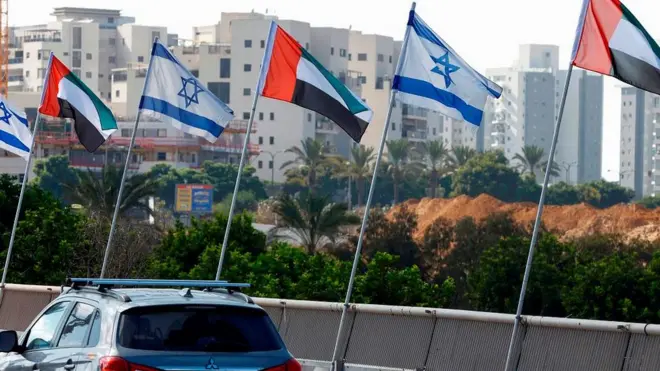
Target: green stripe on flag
631 18
354 105
105 115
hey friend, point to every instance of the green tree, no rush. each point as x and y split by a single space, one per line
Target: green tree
611 193
435 153
52 173
98 192
487 173
649 202
358 169
313 219
399 167
530 159
245 201
393 236
459 156
311 154
562 193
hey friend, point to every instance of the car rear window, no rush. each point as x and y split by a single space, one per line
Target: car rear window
198 329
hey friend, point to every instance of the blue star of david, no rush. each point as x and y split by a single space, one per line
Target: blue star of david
196 89
6 114
448 68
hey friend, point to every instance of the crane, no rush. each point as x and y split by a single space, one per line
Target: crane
4 47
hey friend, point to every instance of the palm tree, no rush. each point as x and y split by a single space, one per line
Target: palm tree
311 218
530 160
460 155
312 155
436 155
555 170
98 192
399 166
358 170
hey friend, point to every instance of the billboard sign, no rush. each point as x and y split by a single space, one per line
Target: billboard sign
194 198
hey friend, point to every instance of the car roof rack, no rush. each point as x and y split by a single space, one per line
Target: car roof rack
107 283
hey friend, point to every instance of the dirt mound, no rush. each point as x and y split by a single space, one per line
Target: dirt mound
571 221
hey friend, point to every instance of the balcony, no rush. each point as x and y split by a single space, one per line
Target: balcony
325 126
414 135
414 113
15 60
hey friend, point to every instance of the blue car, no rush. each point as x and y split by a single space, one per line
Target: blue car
96 326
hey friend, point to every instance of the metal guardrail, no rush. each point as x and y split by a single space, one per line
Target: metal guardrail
406 338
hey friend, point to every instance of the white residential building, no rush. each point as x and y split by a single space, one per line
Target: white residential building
640 142
526 113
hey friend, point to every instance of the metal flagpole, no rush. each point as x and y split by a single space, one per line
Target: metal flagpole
35 131
123 175
537 223
241 165
365 218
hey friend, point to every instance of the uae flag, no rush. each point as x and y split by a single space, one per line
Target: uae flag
67 97
291 74
611 41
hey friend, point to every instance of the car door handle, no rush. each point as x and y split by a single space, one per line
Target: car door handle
69 365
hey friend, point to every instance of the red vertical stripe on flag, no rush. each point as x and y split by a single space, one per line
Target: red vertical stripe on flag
601 20
50 105
281 77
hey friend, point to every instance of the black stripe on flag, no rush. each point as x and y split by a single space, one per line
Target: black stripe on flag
88 134
309 96
635 72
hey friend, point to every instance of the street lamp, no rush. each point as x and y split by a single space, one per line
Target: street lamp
272 159
567 167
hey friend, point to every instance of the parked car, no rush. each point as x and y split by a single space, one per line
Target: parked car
95 326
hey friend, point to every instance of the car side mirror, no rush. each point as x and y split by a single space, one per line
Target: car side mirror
8 341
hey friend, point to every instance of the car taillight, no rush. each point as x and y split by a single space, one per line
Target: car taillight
120 364
290 365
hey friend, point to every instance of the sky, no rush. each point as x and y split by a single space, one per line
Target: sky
485 33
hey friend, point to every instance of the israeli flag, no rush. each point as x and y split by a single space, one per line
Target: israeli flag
173 95
15 136
431 75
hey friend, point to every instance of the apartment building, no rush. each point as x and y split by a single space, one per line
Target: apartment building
640 141
111 54
526 113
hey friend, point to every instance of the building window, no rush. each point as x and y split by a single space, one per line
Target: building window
41 73
379 83
262 44
225 68
162 156
362 56
76 59
162 133
350 56
220 90
154 35
342 53
195 73
116 93
43 54
270 164
248 43
193 158
112 60
27 73
246 115
125 133
261 164
271 140
309 117
111 20
88 56
307 46
272 116
77 38
77 72
362 79
261 116
88 75
27 55
140 59
261 140
381 58
332 50
393 126
247 67
246 92
390 59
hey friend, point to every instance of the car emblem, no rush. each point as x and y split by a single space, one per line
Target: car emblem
211 365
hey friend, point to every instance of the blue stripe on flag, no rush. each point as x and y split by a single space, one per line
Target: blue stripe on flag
13 141
181 115
425 89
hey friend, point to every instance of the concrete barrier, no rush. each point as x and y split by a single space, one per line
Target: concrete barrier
390 337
